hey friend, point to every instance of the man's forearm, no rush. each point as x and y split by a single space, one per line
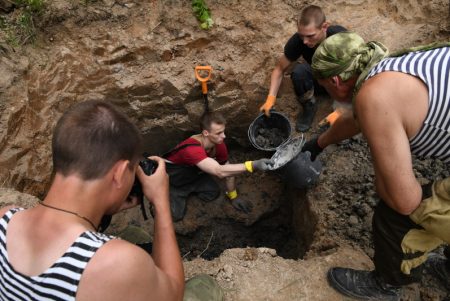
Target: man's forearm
343 128
229 170
166 253
230 183
275 81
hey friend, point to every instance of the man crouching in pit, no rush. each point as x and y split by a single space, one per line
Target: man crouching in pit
192 163
54 251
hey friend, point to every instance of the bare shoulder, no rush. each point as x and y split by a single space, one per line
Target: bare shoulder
118 271
284 62
3 210
394 96
372 92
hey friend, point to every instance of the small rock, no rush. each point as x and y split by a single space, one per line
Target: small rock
227 271
271 252
353 220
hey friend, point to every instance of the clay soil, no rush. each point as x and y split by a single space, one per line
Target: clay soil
140 55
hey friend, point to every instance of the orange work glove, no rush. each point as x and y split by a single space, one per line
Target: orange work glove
270 101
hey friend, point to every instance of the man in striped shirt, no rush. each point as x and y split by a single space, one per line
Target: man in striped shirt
54 252
401 104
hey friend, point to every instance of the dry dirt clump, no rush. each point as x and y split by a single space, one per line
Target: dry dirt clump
270 138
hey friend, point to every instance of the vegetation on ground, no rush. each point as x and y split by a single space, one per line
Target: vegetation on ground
19 27
202 13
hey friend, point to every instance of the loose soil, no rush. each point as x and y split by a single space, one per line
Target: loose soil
140 55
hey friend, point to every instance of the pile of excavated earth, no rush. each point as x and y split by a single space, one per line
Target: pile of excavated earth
140 55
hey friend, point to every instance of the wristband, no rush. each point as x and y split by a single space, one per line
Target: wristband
232 194
249 166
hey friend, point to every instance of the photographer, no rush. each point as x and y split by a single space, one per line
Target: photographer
95 159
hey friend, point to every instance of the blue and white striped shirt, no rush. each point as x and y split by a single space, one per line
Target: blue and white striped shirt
433 68
60 281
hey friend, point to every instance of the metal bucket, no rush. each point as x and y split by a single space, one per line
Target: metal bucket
260 130
294 166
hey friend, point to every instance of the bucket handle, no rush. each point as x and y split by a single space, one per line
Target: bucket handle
272 110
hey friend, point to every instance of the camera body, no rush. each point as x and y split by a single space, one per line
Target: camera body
148 166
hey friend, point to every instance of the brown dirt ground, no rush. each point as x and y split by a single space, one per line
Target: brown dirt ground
140 55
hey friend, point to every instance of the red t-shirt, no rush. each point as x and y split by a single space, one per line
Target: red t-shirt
193 154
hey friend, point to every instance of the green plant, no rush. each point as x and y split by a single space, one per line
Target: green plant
34 6
2 22
21 28
202 13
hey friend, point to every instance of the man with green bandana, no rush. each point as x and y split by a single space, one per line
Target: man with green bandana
401 104
312 30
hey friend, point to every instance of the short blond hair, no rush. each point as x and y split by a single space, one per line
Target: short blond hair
311 14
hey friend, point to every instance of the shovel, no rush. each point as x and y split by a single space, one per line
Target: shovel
199 71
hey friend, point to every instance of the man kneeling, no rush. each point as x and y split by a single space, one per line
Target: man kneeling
192 163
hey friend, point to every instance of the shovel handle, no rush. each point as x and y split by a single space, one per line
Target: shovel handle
203 80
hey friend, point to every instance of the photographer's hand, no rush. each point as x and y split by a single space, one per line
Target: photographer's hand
156 186
165 253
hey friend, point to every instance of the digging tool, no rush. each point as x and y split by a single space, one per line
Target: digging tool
199 70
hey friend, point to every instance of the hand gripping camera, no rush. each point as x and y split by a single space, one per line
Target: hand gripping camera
148 166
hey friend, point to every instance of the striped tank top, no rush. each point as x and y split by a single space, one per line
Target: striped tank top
433 68
60 281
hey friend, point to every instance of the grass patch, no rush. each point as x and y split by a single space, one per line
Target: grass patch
19 28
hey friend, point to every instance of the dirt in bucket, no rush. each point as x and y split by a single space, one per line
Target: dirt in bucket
270 137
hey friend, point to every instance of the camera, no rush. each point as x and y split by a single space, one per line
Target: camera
148 166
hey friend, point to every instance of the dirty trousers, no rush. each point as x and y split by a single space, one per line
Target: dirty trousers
403 242
186 180
304 84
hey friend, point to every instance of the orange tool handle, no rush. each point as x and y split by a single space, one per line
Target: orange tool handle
203 80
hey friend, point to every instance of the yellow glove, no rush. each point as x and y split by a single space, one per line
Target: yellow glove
270 101
232 195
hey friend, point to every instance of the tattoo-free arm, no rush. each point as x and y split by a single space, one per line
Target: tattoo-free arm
389 145
212 167
343 128
277 74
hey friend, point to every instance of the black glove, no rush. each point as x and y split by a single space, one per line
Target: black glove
242 205
312 146
262 164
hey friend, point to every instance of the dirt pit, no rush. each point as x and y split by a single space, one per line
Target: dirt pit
140 55
273 231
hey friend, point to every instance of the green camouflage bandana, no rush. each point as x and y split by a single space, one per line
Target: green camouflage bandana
346 54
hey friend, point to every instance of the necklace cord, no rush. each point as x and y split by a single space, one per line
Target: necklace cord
70 212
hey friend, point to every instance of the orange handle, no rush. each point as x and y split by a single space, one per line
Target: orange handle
203 80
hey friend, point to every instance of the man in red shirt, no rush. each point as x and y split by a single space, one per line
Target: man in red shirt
192 163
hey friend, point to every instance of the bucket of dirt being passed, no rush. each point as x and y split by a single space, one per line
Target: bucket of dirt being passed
295 166
267 133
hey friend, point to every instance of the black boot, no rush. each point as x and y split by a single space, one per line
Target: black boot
305 119
438 266
364 285
178 198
